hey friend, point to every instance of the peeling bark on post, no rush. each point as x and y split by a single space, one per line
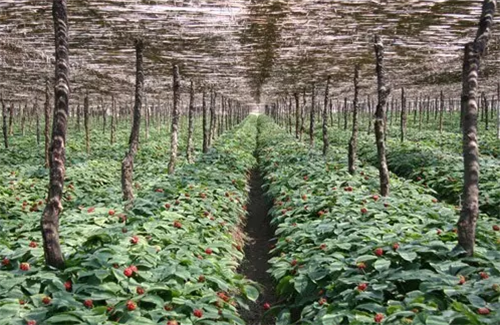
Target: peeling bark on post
175 120
206 131
112 122
403 115
128 162
470 196
297 114
47 123
190 146
325 118
37 115
441 112
4 125
354 138
86 123
383 93
311 117
50 217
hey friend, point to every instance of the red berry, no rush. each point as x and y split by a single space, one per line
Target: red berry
167 206
198 313
461 280
68 285
128 272
24 266
88 303
33 244
496 228
140 290
306 178
168 307
378 318
434 200
364 210
361 266
46 300
208 251
111 212
266 306
90 210
134 240
484 275
322 246
375 197
22 302
201 278
483 311
159 190
172 322
31 322
362 286
322 301
5 261
439 231
379 252
131 305
294 262
177 224
395 246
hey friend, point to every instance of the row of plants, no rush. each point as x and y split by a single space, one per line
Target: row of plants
171 259
426 164
345 255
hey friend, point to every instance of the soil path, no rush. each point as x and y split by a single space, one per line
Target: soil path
255 266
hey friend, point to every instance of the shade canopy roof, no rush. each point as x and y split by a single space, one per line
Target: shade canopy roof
246 49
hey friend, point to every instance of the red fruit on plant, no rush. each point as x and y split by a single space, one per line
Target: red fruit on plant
439 231
304 197
496 228
266 306
5 261
379 252
378 318
322 246
128 272
177 224
419 178
111 212
362 286
90 210
177 202
484 275
24 266
33 244
131 305
31 322
22 302
361 266
294 262
186 195
322 301
134 240
364 210
208 251
140 290
109 309
386 205
461 280
168 307
88 303
159 190
198 313
203 195
434 200
68 285
46 300
306 178
201 278
172 322
395 246
167 206
483 311
321 213
375 197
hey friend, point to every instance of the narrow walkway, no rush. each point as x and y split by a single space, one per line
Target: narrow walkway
255 265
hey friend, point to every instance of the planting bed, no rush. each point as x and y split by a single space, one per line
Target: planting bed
172 258
347 256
